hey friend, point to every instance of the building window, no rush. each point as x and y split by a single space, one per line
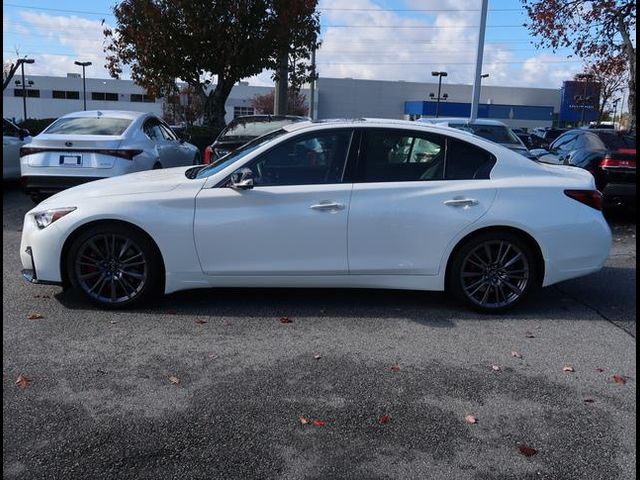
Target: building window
242 111
69 95
110 97
17 92
138 97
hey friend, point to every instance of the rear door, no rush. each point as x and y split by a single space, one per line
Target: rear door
182 154
167 152
413 193
11 144
292 222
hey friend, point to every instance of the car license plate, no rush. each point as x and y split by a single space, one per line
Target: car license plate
71 160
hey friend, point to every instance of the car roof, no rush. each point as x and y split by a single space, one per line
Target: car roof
464 121
107 113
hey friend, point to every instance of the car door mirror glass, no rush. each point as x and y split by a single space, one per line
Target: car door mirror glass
242 179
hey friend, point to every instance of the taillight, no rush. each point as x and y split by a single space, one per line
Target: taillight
121 153
612 162
591 198
208 155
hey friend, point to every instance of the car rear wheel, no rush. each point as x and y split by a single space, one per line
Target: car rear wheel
493 272
114 266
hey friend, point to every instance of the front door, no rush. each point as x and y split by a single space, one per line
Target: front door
292 222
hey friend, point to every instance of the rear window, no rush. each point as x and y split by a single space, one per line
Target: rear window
89 126
252 128
494 133
614 141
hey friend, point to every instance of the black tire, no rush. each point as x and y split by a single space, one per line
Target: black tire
493 280
120 268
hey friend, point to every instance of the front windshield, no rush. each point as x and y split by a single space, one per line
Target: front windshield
495 133
236 155
254 127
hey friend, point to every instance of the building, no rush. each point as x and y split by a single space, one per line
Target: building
51 97
517 107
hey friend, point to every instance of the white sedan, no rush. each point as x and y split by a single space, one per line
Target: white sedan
84 146
364 204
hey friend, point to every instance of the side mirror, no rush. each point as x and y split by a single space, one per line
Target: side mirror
23 132
242 179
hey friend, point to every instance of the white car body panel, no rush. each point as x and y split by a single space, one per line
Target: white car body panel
392 235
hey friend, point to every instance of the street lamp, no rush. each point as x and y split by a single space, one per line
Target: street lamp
21 62
615 111
439 75
84 84
586 77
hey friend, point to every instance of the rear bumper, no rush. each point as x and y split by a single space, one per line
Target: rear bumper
52 184
619 193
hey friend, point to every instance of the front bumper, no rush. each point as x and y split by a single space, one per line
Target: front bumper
31 275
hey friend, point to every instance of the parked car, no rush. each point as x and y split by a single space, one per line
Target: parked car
525 137
546 135
492 130
84 146
13 137
244 129
608 155
327 204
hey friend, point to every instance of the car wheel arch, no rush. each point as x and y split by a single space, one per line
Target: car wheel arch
525 236
80 229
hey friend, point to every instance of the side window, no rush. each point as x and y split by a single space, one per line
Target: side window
8 130
400 156
466 161
168 133
153 130
311 159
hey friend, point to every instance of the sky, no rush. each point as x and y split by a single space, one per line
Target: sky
368 39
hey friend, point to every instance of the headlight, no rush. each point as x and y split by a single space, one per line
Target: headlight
47 217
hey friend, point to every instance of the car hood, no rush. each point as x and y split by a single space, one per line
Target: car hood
150 181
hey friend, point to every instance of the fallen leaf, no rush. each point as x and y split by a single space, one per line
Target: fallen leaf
317 357
495 368
23 382
382 419
395 368
568 368
201 322
620 380
318 423
600 370
527 451
516 354
470 419
529 335
285 320
303 420
35 316
113 322
588 400
174 380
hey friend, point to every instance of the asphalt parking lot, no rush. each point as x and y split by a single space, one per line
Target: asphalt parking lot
212 384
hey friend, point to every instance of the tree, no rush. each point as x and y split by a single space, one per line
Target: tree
8 71
186 106
610 76
200 41
597 30
296 103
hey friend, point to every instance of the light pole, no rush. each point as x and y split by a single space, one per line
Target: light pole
439 75
586 77
21 62
84 84
615 111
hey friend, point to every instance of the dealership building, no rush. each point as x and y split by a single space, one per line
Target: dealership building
50 97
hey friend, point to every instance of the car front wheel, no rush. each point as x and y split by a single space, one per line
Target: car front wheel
493 272
114 266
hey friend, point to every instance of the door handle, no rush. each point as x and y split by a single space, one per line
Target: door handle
327 206
461 202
